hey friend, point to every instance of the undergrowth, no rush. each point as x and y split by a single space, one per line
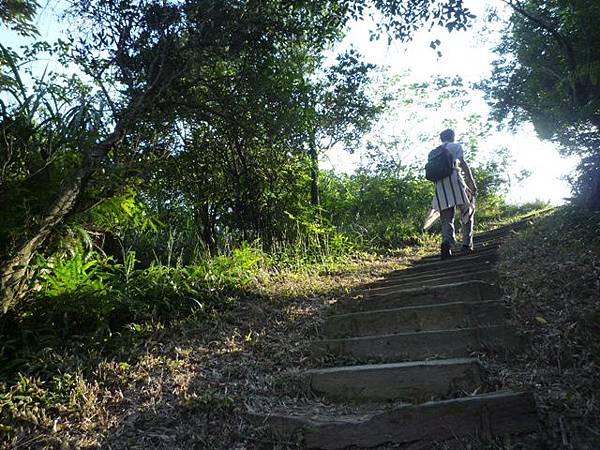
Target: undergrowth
88 294
173 383
551 275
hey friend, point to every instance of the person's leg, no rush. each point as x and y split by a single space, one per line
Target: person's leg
447 220
468 219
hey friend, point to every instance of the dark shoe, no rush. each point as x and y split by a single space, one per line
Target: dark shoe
446 252
466 250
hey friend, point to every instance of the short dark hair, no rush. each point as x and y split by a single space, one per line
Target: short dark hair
447 135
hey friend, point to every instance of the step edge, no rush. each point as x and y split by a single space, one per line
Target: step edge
421 333
334 420
412 308
391 366
420 289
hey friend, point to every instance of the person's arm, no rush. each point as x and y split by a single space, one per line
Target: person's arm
469 175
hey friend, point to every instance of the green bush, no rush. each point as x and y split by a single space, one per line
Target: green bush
387 209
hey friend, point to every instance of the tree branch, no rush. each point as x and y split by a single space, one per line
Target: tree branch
562 40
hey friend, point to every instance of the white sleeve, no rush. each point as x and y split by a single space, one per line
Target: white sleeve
459 152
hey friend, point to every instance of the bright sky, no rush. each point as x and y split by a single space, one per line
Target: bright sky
466 54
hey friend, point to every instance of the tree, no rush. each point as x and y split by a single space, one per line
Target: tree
341 110
18 15
107 134
235 169
549 73
149 58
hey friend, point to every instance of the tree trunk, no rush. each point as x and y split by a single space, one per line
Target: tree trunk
208 228
14 271
314 175
594 192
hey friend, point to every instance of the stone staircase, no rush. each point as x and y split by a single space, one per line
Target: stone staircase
410 347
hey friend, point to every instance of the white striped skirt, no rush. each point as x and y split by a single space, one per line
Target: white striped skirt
450 191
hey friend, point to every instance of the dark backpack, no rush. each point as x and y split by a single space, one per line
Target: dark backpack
440 164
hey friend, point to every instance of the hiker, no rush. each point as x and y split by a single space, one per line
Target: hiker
451 191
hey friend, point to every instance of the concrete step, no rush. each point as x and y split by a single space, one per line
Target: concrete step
503 231
489 276
447 266
485 416
457 256
466 262
444 316
467 291
485 243
406 277
411 381
439 344
478 238
479 247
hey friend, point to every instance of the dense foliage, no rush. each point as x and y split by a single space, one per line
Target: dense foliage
549 74
19 15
